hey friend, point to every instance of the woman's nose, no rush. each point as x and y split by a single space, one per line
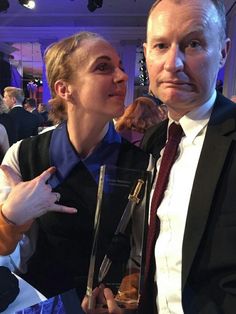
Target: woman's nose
120 76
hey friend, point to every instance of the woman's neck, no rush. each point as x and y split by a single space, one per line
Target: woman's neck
85 135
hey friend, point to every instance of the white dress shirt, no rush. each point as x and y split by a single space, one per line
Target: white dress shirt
173 209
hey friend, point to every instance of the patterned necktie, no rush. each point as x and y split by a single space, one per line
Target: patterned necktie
174 136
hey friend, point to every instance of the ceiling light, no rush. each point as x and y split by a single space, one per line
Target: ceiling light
4 5
94 4
29 4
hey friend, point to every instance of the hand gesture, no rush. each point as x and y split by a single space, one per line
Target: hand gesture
30 199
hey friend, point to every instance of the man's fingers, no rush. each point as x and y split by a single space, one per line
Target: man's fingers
84 304
12 177
113 308
45 175
62 209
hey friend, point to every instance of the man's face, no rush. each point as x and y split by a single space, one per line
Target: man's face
184 52
8 100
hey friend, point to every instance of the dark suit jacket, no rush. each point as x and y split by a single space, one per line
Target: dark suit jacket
39 117
9 125
25 122
209 245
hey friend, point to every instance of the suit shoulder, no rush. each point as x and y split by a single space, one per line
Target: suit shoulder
154 138
132 156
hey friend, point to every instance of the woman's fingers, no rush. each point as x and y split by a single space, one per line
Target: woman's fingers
45 175
12 177
62 209
57 196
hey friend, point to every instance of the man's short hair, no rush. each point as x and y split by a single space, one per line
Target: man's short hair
18 93
219 5
32 102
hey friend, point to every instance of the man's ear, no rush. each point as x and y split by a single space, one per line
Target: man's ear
63 89
14 101
225 51
144 49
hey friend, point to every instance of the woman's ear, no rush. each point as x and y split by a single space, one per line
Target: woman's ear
63 89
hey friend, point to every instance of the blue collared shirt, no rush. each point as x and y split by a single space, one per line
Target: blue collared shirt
64 157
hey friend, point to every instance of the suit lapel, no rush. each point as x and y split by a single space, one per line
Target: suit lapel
215 149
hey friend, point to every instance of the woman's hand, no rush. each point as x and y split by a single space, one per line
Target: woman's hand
30 199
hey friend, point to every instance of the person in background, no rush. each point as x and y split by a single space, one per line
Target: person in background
43 111
4 143
138 117
7 122
60 243
219 86
26 123
31 106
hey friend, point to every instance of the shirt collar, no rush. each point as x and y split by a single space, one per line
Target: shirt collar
15 106
64 157
194 121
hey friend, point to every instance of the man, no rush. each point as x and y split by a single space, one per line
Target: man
7 122
5 72
25 122
195 252
31 106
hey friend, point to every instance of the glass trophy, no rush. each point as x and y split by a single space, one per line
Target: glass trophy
119 234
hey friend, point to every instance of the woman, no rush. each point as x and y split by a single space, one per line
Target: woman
88 87
138 117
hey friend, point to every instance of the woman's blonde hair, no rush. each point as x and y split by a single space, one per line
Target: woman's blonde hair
140 115
60 66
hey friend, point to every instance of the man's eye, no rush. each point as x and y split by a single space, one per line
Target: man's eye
194 44
161 46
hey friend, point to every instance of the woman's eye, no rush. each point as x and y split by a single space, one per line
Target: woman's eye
103 67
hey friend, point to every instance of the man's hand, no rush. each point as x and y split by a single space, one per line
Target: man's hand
104 302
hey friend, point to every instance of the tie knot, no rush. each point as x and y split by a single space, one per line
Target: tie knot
175 131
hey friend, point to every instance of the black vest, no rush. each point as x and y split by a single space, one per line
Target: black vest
63 249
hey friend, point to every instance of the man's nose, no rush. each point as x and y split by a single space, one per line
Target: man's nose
174 60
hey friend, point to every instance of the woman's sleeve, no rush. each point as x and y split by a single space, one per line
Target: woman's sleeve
10 235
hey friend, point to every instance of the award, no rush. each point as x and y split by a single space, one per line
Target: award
119 233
